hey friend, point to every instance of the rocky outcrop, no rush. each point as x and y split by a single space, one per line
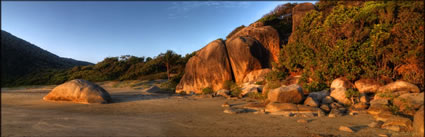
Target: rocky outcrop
246 54
250 52
79 91
287 94
298 13
266 35
199 68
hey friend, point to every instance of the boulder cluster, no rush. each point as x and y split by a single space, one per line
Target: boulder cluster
396 106
246 58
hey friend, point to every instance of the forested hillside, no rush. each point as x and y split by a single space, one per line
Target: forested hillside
19 57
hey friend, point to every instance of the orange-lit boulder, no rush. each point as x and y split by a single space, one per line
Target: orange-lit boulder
79 91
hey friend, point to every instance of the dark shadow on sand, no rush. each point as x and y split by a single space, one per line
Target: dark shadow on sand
131 96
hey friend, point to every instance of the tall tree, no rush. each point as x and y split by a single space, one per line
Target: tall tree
169 59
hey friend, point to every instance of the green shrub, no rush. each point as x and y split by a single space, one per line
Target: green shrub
183 93
235 90
352 93
207 90
314 86
376 39
237 29
258 96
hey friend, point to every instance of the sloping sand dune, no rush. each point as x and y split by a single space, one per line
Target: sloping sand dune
136 113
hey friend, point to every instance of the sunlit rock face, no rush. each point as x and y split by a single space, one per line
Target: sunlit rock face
246 54
79 91
210 67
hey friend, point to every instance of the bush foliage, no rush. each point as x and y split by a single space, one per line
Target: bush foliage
374 40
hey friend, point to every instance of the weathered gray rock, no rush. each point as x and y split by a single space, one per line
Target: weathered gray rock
327 100
256 75
335 113
341 83
410 102
318 96
397 123
79 91
250 88
311 102
153 89
338 88
289 94
379 101
367 85
375 109
223 92
325 108
399 86
376 124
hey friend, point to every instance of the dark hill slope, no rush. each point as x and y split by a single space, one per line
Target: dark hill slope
19 57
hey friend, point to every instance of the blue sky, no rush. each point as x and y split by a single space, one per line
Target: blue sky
91 31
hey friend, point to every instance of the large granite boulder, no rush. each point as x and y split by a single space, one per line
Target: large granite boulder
210 67
246 54
367 85
286 94
266 35
418 122
79 91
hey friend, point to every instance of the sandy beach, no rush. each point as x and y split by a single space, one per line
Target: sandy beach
138 113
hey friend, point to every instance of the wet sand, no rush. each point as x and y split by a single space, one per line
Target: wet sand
137 113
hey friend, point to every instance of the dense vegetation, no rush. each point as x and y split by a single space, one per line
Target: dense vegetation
281 19
115 68
19 58
377 39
